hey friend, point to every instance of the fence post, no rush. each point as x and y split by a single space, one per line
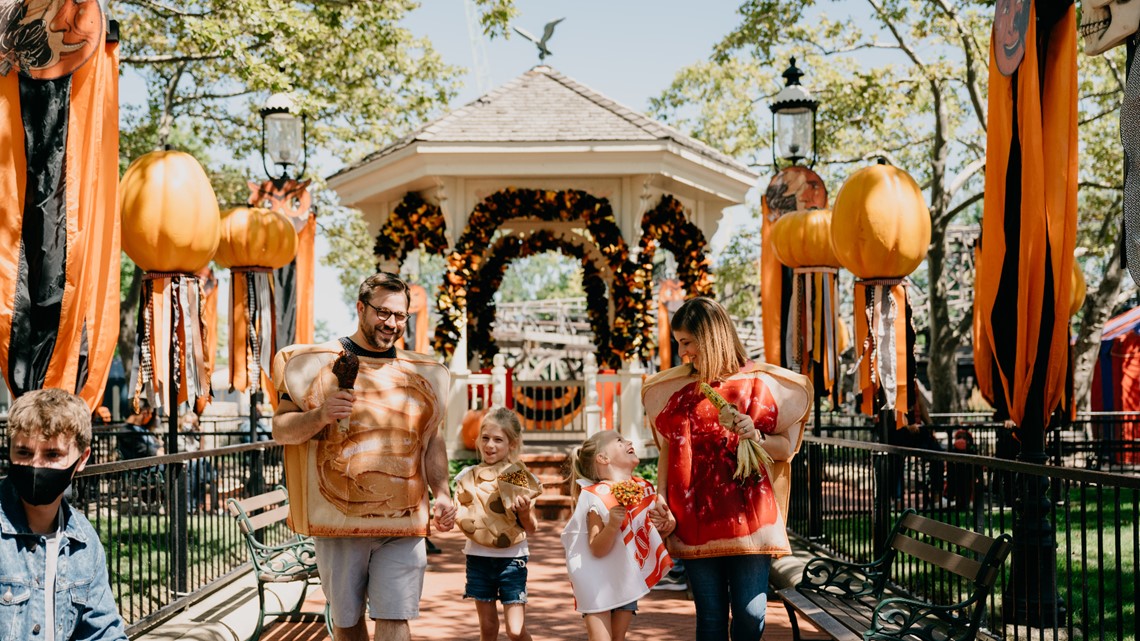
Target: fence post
590 393
177 487
884 489
499 381
815 467
632 413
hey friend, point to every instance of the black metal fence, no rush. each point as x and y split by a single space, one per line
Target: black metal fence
164 526
1084 587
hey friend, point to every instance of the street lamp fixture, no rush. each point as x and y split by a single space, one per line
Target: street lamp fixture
283 137
793 120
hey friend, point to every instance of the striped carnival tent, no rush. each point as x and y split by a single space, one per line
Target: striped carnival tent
1116 379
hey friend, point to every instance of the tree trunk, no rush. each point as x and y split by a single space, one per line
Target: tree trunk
1097 309
942 363
128 326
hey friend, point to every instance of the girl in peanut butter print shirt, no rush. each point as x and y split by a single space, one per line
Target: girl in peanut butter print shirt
728 528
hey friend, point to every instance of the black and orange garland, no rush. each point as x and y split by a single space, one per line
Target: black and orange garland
481 291
666 225
414 223
465 261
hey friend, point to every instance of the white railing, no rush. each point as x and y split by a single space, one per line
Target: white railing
560 411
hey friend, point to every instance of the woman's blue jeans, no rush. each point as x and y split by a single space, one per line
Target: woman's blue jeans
741 581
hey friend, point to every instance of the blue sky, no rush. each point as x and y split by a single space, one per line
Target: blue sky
629 50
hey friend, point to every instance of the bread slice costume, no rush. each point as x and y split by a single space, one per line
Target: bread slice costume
368 480
722 516
484 512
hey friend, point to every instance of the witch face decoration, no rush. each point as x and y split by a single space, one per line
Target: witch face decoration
48 39
1108 23
796 188
1011 22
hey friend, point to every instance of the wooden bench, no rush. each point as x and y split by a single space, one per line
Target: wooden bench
293 560
853 602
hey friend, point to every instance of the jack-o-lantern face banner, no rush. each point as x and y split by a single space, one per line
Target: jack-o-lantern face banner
792 189
59 221
293 282
1022 293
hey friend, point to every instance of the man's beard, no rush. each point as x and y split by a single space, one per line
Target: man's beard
377 340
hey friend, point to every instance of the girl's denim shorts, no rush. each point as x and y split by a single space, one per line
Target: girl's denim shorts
496 579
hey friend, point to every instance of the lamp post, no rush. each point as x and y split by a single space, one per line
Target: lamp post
793 139
284 144
793 120
284 133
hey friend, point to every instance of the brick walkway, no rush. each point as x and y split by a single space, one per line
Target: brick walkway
550 613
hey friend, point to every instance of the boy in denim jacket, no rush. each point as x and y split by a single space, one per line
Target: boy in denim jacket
51 557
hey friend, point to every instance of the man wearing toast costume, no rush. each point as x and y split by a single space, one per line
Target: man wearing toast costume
359 457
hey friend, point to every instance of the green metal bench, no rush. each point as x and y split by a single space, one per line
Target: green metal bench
293 560
853 601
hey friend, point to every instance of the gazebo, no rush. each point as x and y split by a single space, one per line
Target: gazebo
544 163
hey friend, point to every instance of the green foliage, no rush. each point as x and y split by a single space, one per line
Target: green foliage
350 245
738 270
647 470
544 276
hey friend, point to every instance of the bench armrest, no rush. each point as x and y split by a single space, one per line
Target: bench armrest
899 618
822 574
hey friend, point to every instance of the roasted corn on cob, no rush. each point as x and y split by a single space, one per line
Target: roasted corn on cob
751 458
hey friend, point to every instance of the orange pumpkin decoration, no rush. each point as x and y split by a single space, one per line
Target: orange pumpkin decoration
1078 291
803 239
256 237
170 215
469 431
881 225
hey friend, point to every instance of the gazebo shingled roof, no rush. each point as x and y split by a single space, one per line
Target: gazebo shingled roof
542 105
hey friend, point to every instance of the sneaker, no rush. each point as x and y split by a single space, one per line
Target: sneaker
672 583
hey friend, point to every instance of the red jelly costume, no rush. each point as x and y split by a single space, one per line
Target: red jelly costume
716 514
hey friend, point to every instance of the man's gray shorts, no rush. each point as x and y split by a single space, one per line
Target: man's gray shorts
390 571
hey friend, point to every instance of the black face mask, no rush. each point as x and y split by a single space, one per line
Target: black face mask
40 485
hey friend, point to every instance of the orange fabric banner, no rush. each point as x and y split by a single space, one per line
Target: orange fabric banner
90 307
1029 223
306 274
13 179
771 289
87 330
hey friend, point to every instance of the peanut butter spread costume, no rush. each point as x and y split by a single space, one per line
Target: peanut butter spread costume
369 480
482 515
716 515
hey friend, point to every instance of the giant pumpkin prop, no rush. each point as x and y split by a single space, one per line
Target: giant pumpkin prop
255 242
802 241
880 231
293 282
170 230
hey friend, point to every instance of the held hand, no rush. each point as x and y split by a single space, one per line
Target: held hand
444 513
740 424
661 517
617 516
521 505
337 406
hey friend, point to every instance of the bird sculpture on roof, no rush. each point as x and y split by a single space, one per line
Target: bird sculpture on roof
547 31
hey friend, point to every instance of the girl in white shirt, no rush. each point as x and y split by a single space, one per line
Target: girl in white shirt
496 516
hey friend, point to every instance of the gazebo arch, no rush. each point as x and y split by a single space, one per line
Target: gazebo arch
570 205
414 223
509 248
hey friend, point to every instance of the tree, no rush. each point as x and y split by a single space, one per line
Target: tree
358 74
903 79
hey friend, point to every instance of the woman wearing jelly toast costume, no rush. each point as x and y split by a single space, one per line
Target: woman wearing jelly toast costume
495 500
727 497
614 547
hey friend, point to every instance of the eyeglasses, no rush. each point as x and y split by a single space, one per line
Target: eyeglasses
383 313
